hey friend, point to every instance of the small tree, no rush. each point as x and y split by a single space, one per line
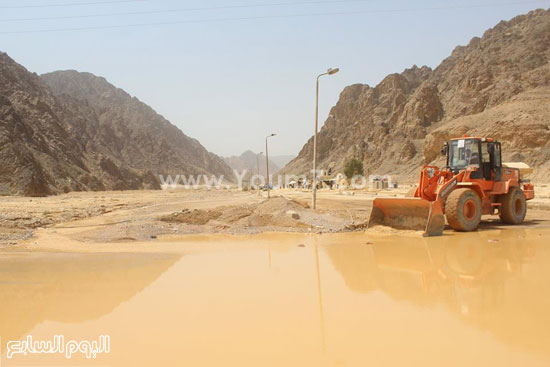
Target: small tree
353 168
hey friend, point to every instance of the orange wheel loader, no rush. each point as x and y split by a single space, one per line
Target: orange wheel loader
475 182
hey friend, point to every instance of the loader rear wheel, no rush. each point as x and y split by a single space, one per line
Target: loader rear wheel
514 206
463 210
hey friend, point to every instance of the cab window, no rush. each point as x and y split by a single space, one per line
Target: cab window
464 153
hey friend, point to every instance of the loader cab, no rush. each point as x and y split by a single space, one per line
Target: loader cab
463 153
483 154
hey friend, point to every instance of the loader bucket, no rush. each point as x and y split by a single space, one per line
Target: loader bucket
408 213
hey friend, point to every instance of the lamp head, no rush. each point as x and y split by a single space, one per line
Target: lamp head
332 71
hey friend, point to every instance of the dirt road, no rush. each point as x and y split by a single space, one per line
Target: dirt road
138 216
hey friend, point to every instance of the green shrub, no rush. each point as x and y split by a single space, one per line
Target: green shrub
353 168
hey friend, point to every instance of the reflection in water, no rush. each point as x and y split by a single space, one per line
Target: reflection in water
70 288
320 298
500 285
292 300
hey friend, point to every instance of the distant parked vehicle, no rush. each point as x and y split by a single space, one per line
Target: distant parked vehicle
266 187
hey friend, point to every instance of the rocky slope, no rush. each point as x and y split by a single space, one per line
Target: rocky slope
113 124
38 155
81 133
498 85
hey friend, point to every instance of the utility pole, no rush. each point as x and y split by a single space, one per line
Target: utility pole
329 72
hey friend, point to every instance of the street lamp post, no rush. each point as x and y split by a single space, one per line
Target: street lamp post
267 165
329 72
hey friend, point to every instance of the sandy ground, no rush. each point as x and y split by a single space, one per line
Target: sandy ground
131 216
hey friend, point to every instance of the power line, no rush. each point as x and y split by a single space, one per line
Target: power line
222 7
71 4
218 20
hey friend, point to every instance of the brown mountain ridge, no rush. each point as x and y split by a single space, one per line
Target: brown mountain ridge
496 86
71 131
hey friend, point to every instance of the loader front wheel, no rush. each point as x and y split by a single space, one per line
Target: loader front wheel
463 210
513 206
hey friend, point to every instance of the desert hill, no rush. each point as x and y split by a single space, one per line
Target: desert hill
72 131
112 123
498 85
38 154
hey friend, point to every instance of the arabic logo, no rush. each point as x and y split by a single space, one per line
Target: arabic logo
58 346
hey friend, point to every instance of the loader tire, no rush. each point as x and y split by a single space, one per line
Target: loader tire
463 210
513 206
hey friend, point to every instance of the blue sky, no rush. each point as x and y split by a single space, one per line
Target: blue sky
231 82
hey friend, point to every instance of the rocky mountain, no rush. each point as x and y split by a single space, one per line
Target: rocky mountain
114 124
70 131
249 161
498 86
38 155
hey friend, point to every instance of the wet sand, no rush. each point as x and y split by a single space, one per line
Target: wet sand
290 299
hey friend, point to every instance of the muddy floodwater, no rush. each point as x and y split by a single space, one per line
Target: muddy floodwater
476 299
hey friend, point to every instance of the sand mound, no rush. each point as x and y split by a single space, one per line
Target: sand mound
197 216
279 204
277 212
